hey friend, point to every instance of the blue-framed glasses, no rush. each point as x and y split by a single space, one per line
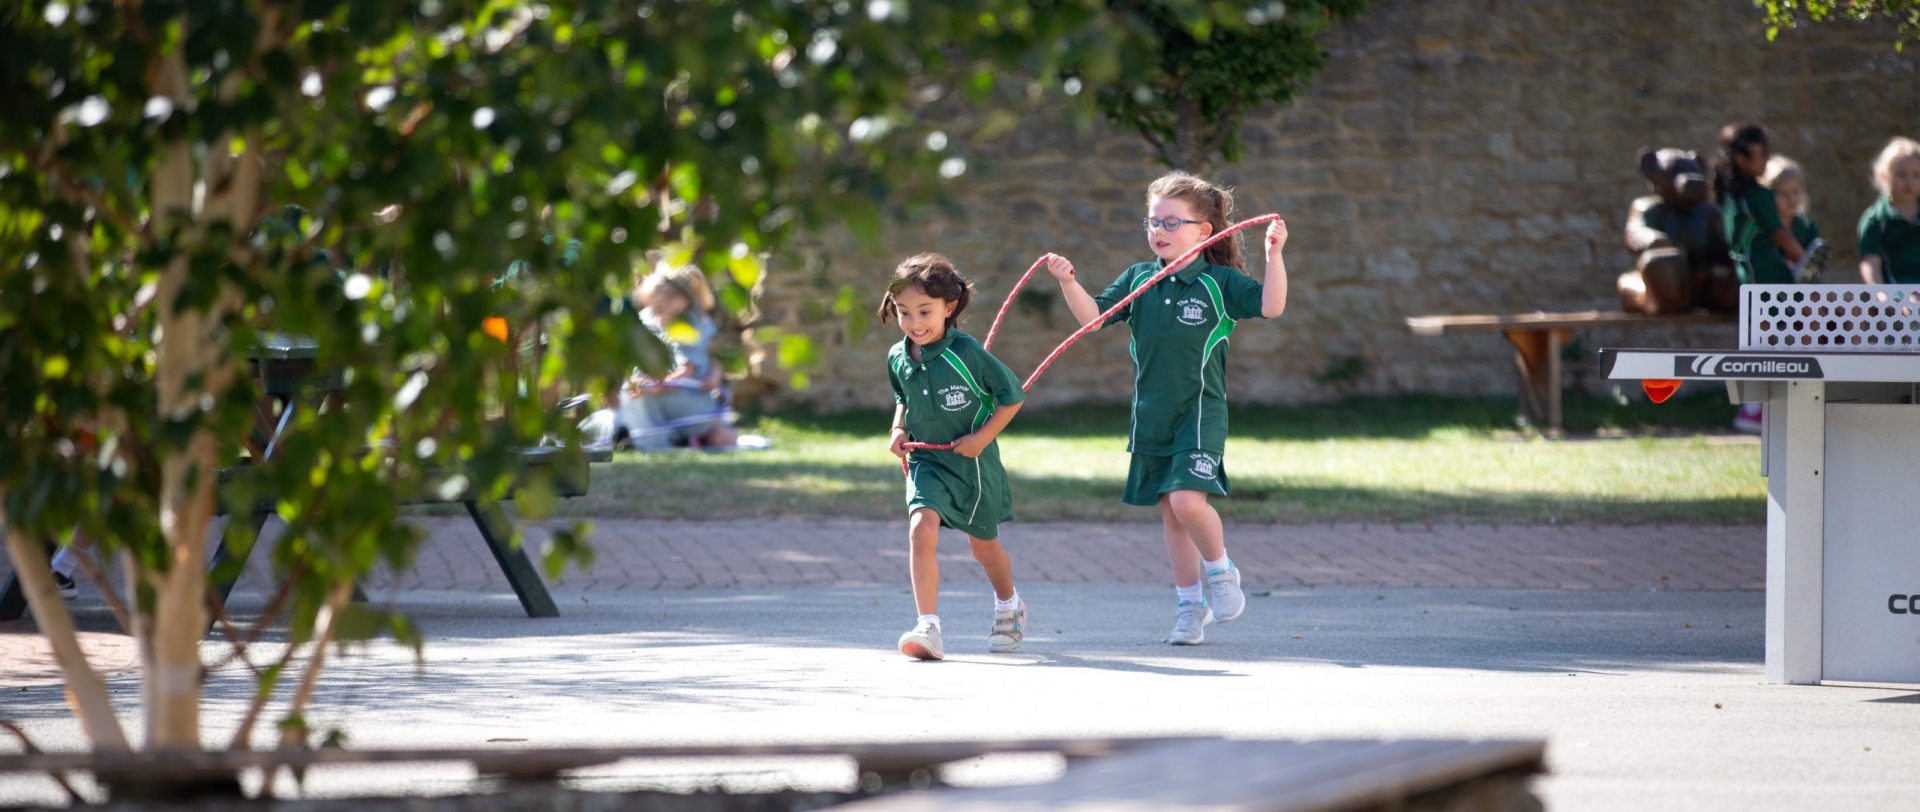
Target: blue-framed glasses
1169 225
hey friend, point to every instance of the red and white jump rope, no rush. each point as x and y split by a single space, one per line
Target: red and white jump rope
1091 326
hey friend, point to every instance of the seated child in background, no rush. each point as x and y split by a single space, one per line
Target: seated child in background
1890 228
1790 196
683 407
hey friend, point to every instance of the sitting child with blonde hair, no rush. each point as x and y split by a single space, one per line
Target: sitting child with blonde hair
685 406
1789 187
1890 228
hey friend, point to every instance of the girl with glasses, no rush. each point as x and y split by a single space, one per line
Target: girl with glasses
1180 330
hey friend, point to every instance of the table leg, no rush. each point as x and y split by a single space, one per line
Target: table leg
1529 362
514 562
225 567
1555 340
1796 531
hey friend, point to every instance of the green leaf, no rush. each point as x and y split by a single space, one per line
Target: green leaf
745 268
798 352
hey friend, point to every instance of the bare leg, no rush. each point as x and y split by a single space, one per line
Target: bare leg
993 558
923 536
1201 521
1181 552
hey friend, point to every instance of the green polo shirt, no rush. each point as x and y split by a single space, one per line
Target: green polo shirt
952 389
1752 217
1180 330
1892 238
949 392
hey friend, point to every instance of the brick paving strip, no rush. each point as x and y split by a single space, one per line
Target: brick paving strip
642 554
649 554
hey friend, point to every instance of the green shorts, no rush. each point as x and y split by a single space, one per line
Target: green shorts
971 496
1152 476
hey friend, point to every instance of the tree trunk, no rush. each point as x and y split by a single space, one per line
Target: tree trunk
1189 142
188 369
85 690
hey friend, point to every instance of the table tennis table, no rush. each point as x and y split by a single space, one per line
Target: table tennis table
1838 369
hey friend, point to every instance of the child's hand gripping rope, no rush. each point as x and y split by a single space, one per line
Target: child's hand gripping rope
1276 237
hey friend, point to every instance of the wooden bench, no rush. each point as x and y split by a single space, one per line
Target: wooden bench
1537 339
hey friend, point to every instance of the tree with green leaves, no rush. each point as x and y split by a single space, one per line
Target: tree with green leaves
1904 15
435 197
1206 77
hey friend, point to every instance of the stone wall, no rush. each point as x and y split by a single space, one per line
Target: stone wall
1453 157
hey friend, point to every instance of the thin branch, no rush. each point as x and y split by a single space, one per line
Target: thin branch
227 630
243 737
1158 144
28 745
98 576
91 196
273 610
337 599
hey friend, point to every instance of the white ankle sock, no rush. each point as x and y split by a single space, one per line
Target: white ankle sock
934 619
64 562
1222 565
1190 594
1007 605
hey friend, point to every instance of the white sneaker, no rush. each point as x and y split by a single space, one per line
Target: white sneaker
1224 595
68 589
1190 623
923 642
1009 628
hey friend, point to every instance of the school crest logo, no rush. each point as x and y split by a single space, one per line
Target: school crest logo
1192 311
1204 466
955 398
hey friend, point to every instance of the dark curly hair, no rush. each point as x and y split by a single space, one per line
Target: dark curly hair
935 276
1736 139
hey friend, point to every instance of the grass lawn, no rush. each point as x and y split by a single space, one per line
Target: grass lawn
1401 460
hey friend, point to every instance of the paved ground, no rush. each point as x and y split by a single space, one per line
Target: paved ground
649 555
676 554
1647 700
1635 651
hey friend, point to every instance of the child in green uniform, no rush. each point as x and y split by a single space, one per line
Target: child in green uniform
1789 187
1890 228
948 389
1764 250
1180 329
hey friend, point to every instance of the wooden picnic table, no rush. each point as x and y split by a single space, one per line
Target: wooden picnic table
1537 340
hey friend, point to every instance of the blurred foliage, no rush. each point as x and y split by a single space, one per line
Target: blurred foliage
393 187
1216 63
1904 15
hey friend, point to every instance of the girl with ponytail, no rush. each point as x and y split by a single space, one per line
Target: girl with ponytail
1180 330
